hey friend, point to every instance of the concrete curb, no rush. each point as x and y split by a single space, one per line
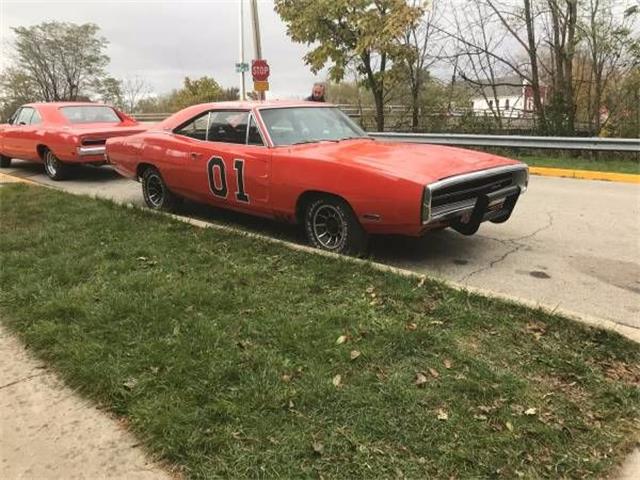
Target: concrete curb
585 174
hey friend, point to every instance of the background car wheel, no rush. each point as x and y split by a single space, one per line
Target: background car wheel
5 162
155 192
331 225
53 167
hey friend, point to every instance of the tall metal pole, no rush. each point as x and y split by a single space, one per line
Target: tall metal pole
243 89
256 35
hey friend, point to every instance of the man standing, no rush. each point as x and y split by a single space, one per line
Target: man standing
317 93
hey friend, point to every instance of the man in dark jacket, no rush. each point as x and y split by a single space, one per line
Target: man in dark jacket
317 93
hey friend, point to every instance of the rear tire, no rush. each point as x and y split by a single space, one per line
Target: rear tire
156 194
53 167
331 225
5 162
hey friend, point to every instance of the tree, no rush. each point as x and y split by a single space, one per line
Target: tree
364 33
61 60
422 37
609 46
109 91
134 90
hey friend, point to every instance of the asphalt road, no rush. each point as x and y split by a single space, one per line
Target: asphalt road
570 244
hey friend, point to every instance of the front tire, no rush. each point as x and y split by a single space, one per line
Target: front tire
156 194
5 162
331 225
53 167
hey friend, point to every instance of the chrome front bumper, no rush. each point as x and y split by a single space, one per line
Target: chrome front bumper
488 202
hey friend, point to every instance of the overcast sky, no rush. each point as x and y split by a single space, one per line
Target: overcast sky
164 41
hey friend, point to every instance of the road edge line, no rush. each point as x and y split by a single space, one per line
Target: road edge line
585 174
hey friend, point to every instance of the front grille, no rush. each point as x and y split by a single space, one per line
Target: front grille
470 189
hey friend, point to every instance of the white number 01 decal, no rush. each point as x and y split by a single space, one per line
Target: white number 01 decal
221 190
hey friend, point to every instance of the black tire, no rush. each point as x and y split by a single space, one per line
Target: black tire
331 225
5 162
156 194
53 167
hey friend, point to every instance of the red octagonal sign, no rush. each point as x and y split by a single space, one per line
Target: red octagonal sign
259 70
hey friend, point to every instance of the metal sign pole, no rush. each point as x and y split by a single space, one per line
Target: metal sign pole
256 36
243 90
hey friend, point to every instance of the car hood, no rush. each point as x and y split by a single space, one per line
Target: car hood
422 163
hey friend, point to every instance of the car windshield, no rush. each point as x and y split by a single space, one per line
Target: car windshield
90 114
295 125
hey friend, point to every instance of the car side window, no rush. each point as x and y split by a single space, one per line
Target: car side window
36 118
228 126
196 128
25 116
13 118
254 137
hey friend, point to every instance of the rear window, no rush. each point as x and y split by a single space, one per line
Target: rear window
90 114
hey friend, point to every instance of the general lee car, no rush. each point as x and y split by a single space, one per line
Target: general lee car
60 134
308 163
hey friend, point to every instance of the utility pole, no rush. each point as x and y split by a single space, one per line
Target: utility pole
243 89
256 36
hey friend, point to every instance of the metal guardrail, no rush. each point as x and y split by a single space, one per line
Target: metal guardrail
594 144
517 141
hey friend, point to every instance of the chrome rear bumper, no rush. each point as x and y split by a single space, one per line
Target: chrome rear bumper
91 151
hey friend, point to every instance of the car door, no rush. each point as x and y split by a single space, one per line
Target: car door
231 167
12 133
20 136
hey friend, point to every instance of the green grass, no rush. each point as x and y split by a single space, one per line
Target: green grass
220 351
603 164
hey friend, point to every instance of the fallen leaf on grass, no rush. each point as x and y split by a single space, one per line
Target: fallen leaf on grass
411 326
480 417
420 380
318 447
337 381
434 373
130 383
447 363
354 354
421 281
341 339
530 411
286 378
509 426
442 415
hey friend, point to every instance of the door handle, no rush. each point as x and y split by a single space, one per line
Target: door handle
195 156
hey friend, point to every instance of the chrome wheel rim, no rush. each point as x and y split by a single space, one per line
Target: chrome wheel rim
51 164
155 190
328 226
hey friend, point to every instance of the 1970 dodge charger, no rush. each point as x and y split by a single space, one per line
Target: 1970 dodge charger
59 134
309 163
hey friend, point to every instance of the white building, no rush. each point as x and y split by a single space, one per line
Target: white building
511 96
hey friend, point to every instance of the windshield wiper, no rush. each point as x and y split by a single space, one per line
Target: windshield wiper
354 137
316 141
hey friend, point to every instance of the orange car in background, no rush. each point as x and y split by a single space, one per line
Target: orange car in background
60 134
308 163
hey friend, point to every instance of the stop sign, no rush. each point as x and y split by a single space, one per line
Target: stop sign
260 70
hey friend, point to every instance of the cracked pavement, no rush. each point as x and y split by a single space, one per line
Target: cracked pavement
570 244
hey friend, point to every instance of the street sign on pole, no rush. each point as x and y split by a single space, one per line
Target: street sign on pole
260 85
260 70
242 67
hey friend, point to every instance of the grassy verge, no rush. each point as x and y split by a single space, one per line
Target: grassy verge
602 164
237 358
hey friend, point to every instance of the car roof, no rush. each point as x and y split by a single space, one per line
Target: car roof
250 104
65 104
